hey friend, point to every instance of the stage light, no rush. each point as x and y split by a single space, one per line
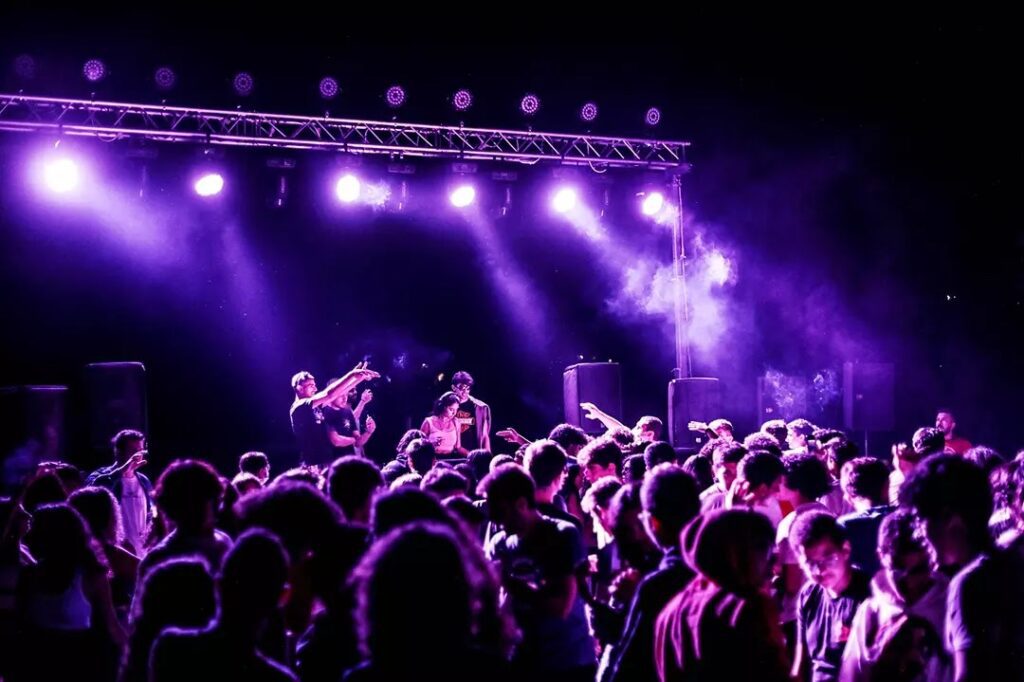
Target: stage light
653 116
329 88
94 70
462 100
61 175
564 200
529 105
209 184
165 78
718 268
588 112
243 84
462 196
395 96
348 188
653 203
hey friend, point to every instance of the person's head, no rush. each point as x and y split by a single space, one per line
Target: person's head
243 484
497 461
647 429
397 508
296 512
798 432
253 579
410 480
722 428
43 488
422 455
598 498
352 483
777 429
392 471
670 498
904 457
865 482
822 548
126 443
625 512
928 441
255 463
479 461
952 501
806 479
300 474
762 441
101 512
732 548
762 472
699 466
945 422
545 461
904 556
659 452
511 497
188 492
304 385
446 406
408 437
600 458
70 476
444 483
462 385
725 459
986 458
571 438
59 539
633 469
177 592
462 508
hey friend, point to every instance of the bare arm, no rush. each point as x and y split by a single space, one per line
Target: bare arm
343 385
97 588
371 426
594 412
339 441
512 436
364 400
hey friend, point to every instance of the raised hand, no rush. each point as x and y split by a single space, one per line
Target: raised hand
366 396
512 436
134 463
697 426
371 425
590 410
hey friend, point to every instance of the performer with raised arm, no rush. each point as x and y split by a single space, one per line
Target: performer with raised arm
306 412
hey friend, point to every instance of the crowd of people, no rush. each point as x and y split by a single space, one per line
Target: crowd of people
784 555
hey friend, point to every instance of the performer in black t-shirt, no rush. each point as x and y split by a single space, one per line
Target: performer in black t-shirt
342 425
306 411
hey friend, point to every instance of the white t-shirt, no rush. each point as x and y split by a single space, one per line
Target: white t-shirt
133 512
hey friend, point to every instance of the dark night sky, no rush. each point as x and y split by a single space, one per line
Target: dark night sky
856 166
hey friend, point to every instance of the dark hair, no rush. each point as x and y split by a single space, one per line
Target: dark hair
252 462
985 457
568 435
254 573
898 535
545 460
699 466
442 403
652 424
408 437
397 508
444 482
119 441
943 485
351 483
69 475
480 462
867 477
101 512
44 488
462 378
670 495
601 452
421 454
842 451
813 527
497 461
777 429
300 474
600 493
659 452
801 427
185 489
62 545
463 508
626 527
726 452
760 468
508 483
928 440
392 471
297 513
762 441
242 484
807 475
633 469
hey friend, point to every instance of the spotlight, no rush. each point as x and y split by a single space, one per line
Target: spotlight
564 200
329 88
209 184
462 196
165 78
94 70
243 84
529 105
653 116
347 189
462 100
718 268
588 112
652 203
395 96
61 175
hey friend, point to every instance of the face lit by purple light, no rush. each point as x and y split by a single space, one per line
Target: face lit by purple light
25 66
564 200
589 112
61 175
653 202
243 84
529 105
395 96
329 88
347 188
94 70
462 100
653 116
209 184
462 196
164 78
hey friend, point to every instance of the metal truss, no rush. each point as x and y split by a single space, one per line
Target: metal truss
115 121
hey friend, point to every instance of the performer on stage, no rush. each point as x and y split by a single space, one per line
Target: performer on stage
442 429
342 423
307 416
473 415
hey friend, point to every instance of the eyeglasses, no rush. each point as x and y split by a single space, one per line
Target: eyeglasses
819 565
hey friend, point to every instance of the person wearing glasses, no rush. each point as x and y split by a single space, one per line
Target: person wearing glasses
473 415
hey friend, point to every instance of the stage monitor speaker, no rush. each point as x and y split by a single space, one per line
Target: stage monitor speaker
116 400
693 399
781 397
32 429
869 396
592 382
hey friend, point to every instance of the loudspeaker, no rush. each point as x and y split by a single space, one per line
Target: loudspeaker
781 397
693 399
592 382
115 394
32 429
869 396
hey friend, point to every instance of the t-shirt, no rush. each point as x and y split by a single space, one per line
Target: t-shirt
552 553
957 445
787 555
444 439
310 434
824 624
343 421
465 416
862 530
